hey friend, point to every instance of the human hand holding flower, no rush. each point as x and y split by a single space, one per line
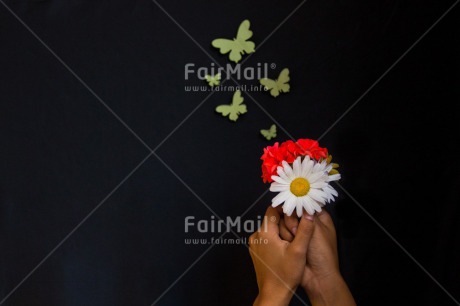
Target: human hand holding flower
321 279
279 264
299 251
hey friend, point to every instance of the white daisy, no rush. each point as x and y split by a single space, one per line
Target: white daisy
304 186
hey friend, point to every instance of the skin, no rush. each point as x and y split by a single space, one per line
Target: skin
300 252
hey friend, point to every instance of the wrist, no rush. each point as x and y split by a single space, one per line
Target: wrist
274 297
330 290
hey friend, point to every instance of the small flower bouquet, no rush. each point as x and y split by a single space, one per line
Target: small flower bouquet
301 173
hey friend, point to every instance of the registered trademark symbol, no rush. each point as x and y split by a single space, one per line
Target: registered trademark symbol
272 65
273 219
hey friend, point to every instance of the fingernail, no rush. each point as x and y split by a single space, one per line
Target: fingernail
294 230
307 216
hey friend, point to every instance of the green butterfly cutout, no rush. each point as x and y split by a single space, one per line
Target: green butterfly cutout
235 109
239 45
213 80
279 85
270 133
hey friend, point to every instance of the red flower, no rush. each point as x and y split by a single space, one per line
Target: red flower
274 155
311 148
292 150
272 158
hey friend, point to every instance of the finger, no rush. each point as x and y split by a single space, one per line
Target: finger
271 221
292 223
279 209
304 233
325 218
285 234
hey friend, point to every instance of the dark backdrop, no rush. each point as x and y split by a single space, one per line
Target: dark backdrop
63 151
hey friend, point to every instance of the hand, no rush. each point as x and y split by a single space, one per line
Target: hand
279 264
321 279
322 259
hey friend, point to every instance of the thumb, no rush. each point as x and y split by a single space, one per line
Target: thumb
303 234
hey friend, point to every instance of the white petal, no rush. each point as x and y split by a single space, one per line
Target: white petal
280 180
316 167
297 167
314 177
317 206
299 207
329 198
303 201
318 195
330 193
334 177
308 167
280 198
289 205
277 187
306 159
318 185
308 205
324 164
282 174
288 170
320 209
314 204
331 190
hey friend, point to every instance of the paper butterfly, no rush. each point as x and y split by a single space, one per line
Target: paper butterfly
239 45
235 109
270 133
279 85
213 80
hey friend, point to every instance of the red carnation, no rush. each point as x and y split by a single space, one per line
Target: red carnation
272 158
292 150
311 148
274 155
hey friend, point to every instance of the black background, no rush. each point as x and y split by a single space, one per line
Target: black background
63 152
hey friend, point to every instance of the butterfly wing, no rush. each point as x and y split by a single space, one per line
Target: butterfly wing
224 45
216 80
282 81
270 133
244 33
236 112
209 79
273 130
224 110
243 30
238 46
237 98
249 47
235 109
266 134
235 54
213 80
238 107
227 45
270 85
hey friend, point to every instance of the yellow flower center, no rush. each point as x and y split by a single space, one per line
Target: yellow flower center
300 187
